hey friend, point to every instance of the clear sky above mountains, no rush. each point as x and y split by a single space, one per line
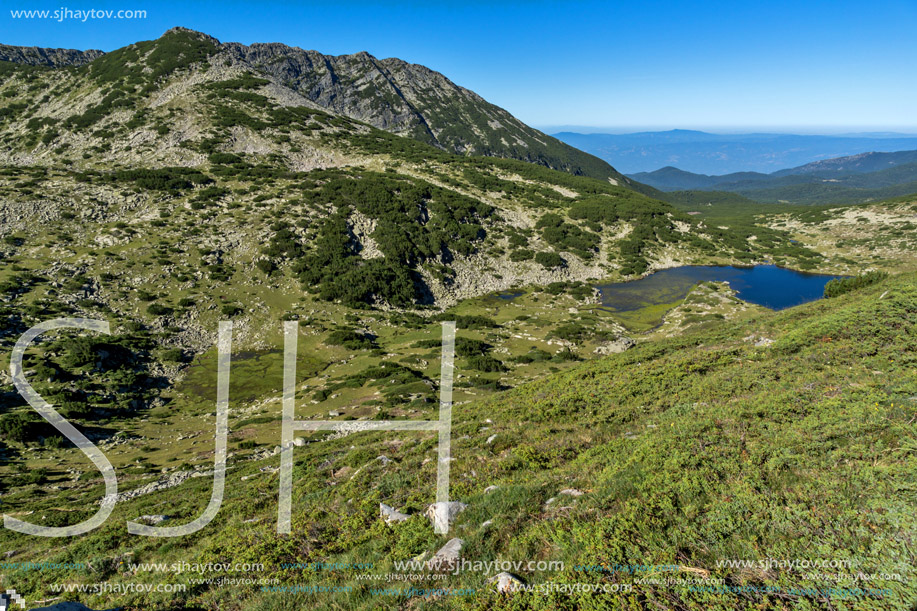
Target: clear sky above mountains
779 65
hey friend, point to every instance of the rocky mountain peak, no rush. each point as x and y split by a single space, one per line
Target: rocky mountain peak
191 33
399 97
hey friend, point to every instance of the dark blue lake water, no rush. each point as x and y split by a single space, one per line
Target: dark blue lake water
767 285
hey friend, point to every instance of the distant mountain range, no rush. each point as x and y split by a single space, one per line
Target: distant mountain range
853 164
855 178
717 154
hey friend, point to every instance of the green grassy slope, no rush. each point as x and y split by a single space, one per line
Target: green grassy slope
690 451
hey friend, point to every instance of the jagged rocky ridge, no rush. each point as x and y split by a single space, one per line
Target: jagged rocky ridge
401 98
38 56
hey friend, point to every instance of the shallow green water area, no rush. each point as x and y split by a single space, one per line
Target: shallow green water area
252 375
645 318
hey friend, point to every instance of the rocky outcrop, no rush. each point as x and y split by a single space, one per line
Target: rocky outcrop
615 346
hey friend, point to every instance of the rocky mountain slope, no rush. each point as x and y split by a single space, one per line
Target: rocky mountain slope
180 126
37 56
402 98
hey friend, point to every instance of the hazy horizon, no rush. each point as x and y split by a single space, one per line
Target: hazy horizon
874 131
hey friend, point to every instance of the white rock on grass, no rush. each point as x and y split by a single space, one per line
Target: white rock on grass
506 582
447 556
616 346
449 512
153 519
391 514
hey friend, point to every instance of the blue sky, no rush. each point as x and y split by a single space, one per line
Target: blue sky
804 66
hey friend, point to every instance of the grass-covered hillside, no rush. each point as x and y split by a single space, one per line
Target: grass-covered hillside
785 436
